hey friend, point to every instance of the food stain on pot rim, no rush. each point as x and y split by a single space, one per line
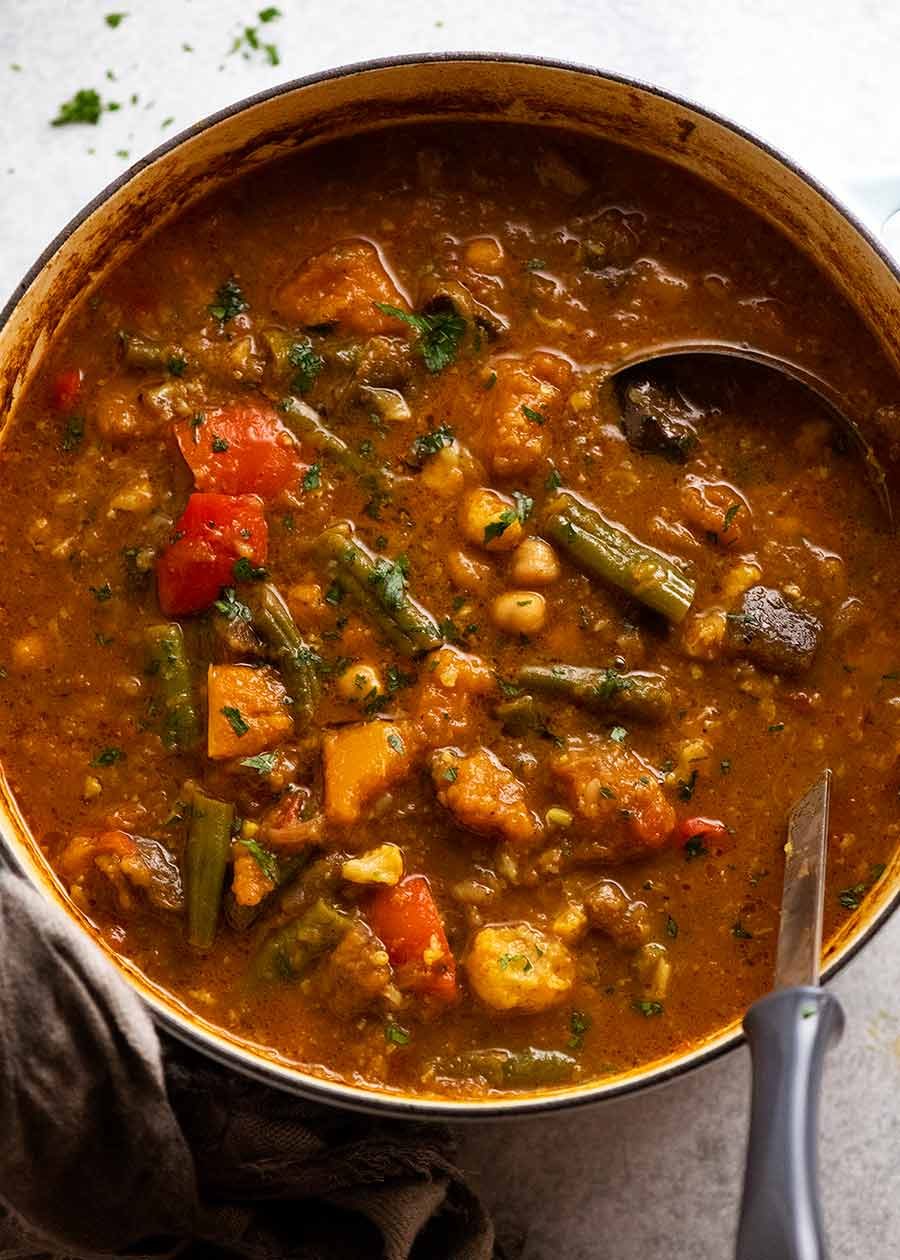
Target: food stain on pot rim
431 703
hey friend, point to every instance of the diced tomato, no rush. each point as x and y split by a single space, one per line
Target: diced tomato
408 922
65 389
212 533
242 448
708 832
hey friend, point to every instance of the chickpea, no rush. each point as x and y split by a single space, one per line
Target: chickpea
489 520
30 652
519 612
306 603
534 563
358 681
485 254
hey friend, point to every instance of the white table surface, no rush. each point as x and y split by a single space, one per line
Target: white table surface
657 1177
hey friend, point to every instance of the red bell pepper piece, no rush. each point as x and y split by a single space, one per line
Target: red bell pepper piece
65 389
408 922
705 833
213 532
242 448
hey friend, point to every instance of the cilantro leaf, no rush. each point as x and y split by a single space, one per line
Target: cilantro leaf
262 763
108 757
303 357
84 107
235 720
231 607
73 433
246 571
312 478
265 859
499 526
115 19
229 302
536 417
648 1009
433 441
440 334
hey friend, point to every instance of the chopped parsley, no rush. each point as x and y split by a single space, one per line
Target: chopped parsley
554 479
579 1023
229 302
686 786
334 595
262 763
312 478
490 381
265 859
396 742
534 264
515 960
776 727
390 577
231 607
73 433
440 334
671 927
740 933
396 679
307 364
451 774
84 107
695 848
101 593
851 898
249 42
499 526
607 793
394 1035
176 364
219 444
618 734
536 417
729 516
611 684
115 19
648 1009
108 757
235 720
433 441
246 571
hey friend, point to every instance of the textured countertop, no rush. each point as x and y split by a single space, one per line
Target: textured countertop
658 1176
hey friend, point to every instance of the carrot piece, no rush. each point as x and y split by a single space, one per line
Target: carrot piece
407 920
247 711
241 448
363 760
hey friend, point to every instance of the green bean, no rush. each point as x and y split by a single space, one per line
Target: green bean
139 351
168 661
509 1069
636 695
306 426
289 951
606 551
378 587
207 852
243 917
295 660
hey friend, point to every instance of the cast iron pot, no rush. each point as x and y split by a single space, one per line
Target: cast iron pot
362 98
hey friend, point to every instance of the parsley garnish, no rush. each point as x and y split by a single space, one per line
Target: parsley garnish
176 364
534 264
334 594
440 334
518 960
84 107
312 478
730 515
776 727
648 1008
579 1023
390 576
394 1035
235 720
851 898
554 480
695 847
536 417
73 433
108 757
303 357
245 571
231 607
433 441
219 444
229 302
396 742
490 381
451 774
267 861
115 19
262 763
671 927
739 932
499 526
611 684
101 593
618 734
686 786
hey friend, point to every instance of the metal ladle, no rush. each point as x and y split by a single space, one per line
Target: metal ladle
830 398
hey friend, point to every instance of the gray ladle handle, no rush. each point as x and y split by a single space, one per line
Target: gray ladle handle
788 1032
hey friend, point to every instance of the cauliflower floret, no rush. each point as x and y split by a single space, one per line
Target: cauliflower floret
515 967
355 975
383 865
484 795
519 413
450 684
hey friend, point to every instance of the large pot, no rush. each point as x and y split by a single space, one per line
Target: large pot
376 95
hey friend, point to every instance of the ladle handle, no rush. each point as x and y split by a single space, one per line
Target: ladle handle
788 1032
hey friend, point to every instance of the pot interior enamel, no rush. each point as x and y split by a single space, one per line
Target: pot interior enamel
376 96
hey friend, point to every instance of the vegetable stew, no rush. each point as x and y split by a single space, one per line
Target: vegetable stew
408 697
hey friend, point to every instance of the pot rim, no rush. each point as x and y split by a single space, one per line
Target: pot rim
269 1071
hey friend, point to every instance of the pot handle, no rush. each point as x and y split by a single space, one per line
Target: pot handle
788 1032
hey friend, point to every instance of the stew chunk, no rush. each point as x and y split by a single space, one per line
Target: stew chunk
520 411
618 795
773 633
483 794
341 286
362 761
247 711
515 967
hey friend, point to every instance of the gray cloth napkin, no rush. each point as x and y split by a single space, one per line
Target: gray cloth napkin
115 1142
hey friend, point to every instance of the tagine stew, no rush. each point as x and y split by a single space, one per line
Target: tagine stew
400 692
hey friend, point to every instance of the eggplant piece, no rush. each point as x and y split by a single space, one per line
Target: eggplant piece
657 417
772 632
165 889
